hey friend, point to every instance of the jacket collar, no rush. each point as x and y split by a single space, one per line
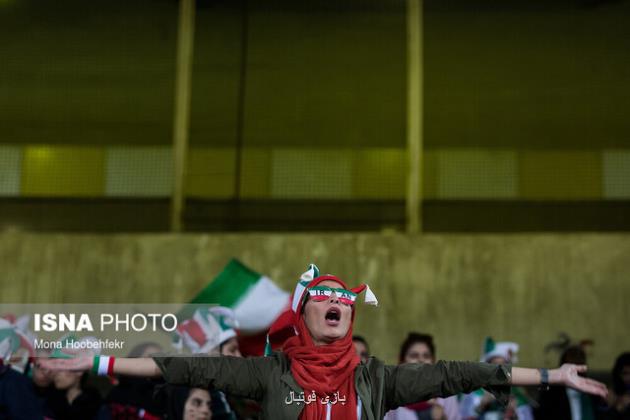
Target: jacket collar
294 387
363 391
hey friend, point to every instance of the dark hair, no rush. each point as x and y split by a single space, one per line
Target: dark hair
618 385
414 338
176 397
83 381
360 339
573 354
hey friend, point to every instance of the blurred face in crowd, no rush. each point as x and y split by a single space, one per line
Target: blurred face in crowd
419 353
625 376
498 360
42 377
66 379
198 405
361 350
230 348
150 350
327 320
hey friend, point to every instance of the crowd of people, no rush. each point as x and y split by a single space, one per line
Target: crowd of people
38 393
557 402
317 351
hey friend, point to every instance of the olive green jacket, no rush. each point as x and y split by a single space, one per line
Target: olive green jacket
380 387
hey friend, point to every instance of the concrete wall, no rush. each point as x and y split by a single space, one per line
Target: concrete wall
524 288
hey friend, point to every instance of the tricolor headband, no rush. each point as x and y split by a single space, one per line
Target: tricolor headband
323 293
310 280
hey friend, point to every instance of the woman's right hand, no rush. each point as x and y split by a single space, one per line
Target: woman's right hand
76 364
569 375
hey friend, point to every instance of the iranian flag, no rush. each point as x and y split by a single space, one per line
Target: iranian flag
255 299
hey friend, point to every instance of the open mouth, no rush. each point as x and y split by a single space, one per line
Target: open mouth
333 316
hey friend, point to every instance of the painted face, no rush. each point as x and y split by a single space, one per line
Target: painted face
419 353
327 319
230 348
321 293
198 405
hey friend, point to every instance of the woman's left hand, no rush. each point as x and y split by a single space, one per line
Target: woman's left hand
569 376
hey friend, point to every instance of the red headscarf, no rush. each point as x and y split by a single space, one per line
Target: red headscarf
326 369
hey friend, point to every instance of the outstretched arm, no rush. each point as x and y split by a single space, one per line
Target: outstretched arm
244 377
567 375
410 383
415 382
143 366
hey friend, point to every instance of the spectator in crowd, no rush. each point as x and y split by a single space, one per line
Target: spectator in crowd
132 398
621 387
74 399
42 378
361 347
189 404
482 405
43 384
194 403
560 403
619 400
232 406
17 397
212 331
198 405
230 348
419 348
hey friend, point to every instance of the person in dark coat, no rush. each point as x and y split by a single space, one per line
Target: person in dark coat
562 403
43 385
619 408
73 400
17 397
133 398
